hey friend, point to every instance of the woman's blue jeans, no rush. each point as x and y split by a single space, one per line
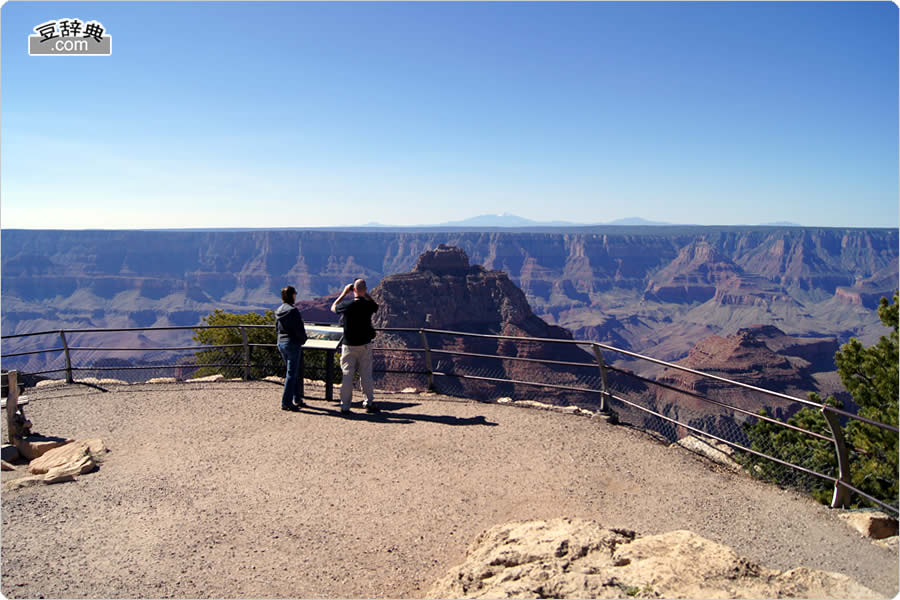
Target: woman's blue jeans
292 353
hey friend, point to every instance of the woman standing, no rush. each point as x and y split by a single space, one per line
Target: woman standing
291 337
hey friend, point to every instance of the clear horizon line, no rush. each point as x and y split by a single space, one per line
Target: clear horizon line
443 227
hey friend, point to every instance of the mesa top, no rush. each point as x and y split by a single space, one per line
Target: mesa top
358 330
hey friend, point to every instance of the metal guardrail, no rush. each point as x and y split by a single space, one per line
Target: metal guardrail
841 482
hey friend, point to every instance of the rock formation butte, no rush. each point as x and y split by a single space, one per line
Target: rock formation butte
763 356
571 558
445 292
743 357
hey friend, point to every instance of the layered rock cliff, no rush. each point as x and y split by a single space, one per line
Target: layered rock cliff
653 290
445 292
742 357
694 276
761 356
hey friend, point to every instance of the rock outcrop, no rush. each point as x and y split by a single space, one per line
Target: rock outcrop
77 453
694 275
62 463
867 292
715 451
35 446
318 310
445 260
746 357
572 558
445 292
817 351
871 523
740 357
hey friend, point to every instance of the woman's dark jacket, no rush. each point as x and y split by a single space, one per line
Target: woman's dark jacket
289 325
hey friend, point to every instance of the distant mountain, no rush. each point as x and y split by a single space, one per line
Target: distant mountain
509 220
505 220
636 221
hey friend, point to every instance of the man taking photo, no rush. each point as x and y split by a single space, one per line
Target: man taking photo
358 335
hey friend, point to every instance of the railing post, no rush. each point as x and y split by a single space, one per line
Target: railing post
604 388
427 359
69 379
329 374
12 403
246 353
841 493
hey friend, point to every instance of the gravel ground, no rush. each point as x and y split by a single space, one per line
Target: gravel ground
211 491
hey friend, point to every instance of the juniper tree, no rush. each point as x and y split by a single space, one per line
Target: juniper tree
264 361
870 374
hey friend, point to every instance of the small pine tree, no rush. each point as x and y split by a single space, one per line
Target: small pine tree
871 375
263 361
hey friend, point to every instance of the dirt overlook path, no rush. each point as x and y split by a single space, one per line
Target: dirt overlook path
210 491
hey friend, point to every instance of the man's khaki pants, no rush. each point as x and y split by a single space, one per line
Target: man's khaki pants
353 358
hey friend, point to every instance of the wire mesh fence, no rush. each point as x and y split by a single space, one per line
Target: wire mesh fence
737 425
740 428
139 355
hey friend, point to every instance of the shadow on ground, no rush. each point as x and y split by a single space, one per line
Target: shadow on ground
384 415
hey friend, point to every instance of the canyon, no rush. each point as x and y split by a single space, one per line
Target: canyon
655 290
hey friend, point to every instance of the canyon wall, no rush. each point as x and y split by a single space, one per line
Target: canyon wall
657 290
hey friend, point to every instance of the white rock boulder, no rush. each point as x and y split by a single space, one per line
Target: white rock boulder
216 377
73 453
573 558
35 446
715 451
871 523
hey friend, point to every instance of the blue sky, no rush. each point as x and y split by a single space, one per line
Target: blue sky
246 114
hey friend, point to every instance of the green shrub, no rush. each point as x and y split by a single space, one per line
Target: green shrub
263 361
871 376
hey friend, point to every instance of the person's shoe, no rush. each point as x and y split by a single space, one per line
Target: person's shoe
371 408
291 408
300 404
345 411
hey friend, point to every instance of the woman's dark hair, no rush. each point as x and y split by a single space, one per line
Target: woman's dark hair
287 294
